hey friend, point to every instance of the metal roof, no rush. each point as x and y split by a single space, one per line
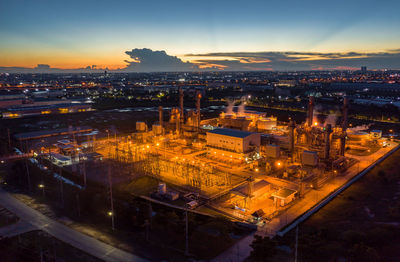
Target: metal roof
230 132
283 193
243 190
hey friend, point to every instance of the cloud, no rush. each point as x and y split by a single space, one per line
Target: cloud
42 66
283 61
147 60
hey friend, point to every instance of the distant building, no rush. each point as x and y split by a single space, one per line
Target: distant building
286 83
363 69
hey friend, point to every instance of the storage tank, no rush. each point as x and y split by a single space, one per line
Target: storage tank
266 123
272 151
157 129
309 158
141 126
358 135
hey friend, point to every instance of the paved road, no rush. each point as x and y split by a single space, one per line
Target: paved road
16 229
81 241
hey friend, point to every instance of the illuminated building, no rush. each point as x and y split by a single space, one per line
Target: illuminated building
235 143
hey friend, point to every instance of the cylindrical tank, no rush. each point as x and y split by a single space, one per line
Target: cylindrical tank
141 126
157 129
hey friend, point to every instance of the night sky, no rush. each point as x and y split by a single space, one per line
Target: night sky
216 35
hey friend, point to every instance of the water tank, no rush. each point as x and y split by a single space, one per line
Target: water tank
141 126
157 129
266 123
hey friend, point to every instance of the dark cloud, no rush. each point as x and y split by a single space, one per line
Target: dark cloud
282 61
46 69
147 60
42 66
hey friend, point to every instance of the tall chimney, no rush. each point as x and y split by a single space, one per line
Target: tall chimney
345 113
310 111
292 125
344 126
181 103
328 131
160 116
178 121
198 97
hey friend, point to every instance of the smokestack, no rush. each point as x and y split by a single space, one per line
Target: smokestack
345 113
292 125
328 131
344 126
181 103
198 97
160 116
178 121
310 111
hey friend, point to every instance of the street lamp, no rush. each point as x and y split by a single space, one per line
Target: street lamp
42 187
111 214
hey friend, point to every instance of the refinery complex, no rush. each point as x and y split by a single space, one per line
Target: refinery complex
243 164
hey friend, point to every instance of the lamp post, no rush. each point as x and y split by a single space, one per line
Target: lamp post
42 187
111 214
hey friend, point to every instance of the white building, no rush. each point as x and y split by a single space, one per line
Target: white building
233 143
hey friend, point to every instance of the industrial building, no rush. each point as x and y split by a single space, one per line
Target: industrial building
233 143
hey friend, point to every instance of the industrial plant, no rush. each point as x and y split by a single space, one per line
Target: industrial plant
245 164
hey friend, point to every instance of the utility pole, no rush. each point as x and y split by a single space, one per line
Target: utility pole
83 170
28 175
9 140
111 197
27 168
187 233
61 188
297 242
78 205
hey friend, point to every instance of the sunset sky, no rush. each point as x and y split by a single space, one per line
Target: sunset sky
75 34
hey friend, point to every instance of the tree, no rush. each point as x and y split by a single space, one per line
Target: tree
353 237
363 253
263 249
